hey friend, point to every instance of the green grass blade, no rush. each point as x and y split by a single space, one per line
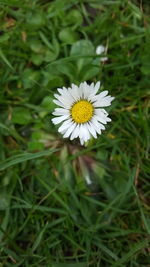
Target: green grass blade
24 157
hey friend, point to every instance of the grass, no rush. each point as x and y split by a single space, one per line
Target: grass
49 215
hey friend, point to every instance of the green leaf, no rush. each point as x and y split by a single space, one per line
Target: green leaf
21 116
30 78
82 48
36 19
37 59
68 69
36 46
51 80
50 55
74 17
88 72
145 69
47 103
11 132
4 38
68 36
35 145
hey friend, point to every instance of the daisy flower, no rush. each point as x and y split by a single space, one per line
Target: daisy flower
81 111
100 49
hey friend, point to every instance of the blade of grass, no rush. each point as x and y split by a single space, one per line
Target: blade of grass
138 246
24 157
5 60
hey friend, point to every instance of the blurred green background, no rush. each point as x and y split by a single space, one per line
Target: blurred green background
50 215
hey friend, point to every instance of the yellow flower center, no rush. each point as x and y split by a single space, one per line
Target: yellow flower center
82 111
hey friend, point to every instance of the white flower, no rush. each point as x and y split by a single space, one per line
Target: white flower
100 49
80 111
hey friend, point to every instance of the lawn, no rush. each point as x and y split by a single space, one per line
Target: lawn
63 204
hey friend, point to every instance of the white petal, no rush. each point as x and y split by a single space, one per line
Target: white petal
86 134
102 116
64 95
91 129
75 133
60 91
93 91
81 141
69 95
61 111
91 88
96 88
65 99
99 96
65 125
103 102
56 96
102 94
80 90
74 94
86 90
58 103
104 111
60 119
81 131
95 120
70 130
95 125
